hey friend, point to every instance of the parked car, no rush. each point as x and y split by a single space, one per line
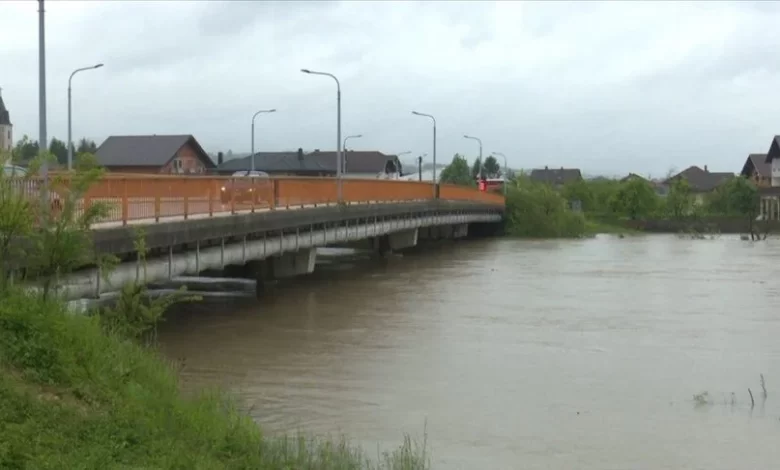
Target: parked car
29 187
243 184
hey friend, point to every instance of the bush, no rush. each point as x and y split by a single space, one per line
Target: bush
537 210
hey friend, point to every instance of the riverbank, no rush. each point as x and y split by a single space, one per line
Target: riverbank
74 396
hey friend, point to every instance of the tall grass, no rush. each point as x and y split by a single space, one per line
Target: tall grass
75 396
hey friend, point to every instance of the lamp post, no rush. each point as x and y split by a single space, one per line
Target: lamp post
356 136
339 159
435 183
419 166
42 142
70 107
505 168
252 157
479 175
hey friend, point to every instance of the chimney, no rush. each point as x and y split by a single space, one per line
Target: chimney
705 169
300 154
220 158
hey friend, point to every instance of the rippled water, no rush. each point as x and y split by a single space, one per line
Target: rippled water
517 354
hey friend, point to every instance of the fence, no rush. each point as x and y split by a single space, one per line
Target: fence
136 197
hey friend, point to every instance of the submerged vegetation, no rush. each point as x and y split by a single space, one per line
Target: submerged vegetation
91 391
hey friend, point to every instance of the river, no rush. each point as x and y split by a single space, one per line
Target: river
515 354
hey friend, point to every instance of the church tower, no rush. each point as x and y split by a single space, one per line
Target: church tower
6 128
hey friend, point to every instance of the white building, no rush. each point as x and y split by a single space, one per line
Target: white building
6 128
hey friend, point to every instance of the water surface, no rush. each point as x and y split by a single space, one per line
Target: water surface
517 354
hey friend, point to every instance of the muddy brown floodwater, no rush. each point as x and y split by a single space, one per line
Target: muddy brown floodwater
517 354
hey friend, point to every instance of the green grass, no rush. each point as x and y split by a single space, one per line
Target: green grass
75 397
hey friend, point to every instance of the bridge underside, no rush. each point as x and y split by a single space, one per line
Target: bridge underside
275 245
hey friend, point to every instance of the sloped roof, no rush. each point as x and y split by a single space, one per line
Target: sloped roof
774 149
317 161
276 162
146 150
5 117
556 175
702 180
358 161
757 161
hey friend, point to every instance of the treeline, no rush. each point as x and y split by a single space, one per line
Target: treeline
26 150
539 210
461 173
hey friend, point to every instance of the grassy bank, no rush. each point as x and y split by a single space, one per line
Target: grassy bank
75 396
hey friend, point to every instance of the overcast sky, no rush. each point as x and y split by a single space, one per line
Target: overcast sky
606 87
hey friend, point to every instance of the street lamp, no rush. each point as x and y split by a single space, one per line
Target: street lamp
419 166
480 153
339 160
252 157
404 153
70 142
505 168
435 183
356 136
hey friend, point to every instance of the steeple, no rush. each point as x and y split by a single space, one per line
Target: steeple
6 128
5 118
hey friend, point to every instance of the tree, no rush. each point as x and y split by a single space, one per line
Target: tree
475 168
59 149
679 202
16 223
491 167
579 191
62 241
635 198
25 150
537 210
457 172
86 146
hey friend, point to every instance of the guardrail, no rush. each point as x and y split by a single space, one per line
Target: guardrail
159 196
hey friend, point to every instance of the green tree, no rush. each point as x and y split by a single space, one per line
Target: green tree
59 149
25 150
475 168
457 172
579 191
86 146
62 241
16 222
679 201
536 210
491 167
634 198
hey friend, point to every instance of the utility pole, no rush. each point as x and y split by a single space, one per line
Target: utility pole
419 168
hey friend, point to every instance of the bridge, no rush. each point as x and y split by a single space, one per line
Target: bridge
266 228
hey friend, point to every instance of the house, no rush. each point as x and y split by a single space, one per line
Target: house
758 170
167 154
770 194
556 177
358 164
701 182
660 187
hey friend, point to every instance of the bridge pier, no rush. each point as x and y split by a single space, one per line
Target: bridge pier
295 263
401 240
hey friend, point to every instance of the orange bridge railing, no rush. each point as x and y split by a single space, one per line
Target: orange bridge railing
135 198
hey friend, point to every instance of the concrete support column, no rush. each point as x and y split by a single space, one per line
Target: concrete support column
460 231
446 231
403 239
295 264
